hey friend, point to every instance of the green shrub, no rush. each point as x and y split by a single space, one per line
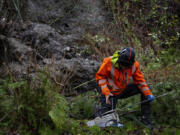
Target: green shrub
82 107
169 56
58 112
26 105
166 110
47 130
142 23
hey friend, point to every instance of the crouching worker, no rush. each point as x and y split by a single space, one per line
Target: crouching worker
119 77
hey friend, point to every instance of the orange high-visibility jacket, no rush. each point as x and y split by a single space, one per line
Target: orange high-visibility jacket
113 80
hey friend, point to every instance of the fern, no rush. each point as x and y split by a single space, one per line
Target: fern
58 112
82 107
26 104
16 84
46 130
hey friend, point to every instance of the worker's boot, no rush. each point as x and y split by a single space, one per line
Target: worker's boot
146 113
147 121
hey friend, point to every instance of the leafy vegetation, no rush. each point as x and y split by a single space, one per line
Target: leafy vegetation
168 105
141 19
36 106
82 107
25 104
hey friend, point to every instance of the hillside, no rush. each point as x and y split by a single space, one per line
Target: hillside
51 50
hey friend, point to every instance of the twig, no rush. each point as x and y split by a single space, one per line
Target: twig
57 82
17 9
83 84
6 115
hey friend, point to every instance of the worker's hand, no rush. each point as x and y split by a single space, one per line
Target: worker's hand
150 97
107 98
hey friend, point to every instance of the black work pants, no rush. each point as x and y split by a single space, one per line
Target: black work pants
130 90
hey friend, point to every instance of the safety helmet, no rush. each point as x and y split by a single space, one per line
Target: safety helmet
126 57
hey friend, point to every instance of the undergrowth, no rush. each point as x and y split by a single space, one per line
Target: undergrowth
153 23
27 105
34 106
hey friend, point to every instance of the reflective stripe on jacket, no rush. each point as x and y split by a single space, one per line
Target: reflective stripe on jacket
113 80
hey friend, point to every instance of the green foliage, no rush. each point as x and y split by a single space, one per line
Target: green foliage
169 56
87 51
165 58
82 107
168 106
32 108
170 131
25 104
46 130
129 127
58 112
147 23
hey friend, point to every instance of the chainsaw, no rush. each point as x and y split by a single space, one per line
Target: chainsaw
109 118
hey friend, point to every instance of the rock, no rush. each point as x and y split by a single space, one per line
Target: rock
77 71
50 38
85 71
68 15
12 49
18 47
45 39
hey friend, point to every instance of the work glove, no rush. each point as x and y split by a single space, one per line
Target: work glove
150 97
